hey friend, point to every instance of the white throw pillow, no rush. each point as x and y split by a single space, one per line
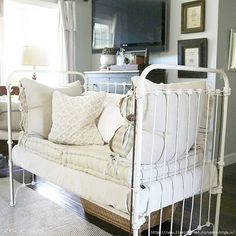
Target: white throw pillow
162 116
111 98
109 121
36 105
114 98
74 119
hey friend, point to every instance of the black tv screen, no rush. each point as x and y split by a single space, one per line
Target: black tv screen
131 24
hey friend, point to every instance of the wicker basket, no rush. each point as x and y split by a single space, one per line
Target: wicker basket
120 221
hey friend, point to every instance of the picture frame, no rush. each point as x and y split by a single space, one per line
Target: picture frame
232 50
193 53
193 17
138 57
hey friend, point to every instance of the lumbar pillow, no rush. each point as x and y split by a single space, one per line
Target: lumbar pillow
122 141
74 119
152 148
36 105
109 121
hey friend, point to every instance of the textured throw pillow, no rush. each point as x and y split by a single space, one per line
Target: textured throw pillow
36 105
109 121
74 119
122 141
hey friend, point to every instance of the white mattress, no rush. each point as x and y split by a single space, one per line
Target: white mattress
113 195
100 161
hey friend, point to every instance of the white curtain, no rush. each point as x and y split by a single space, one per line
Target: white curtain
1 39
67 11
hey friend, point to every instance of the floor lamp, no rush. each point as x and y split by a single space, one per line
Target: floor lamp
34 56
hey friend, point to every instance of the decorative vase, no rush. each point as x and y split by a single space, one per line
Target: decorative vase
107 60
108 57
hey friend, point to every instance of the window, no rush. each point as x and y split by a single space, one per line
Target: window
28 24
102 34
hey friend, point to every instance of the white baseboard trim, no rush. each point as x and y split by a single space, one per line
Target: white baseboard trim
230 159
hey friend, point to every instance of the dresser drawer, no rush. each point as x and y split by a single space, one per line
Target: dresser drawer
97 84
115 81
109 82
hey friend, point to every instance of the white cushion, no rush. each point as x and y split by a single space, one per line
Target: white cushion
109 121
16 116
152 148
74 119
114 98
160 101
14 106
36 100
111 98
4 135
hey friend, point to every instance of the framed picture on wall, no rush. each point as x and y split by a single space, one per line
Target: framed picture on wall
193 17
232 51
193 53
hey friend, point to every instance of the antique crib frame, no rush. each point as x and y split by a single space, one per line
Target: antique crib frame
136 178
140 94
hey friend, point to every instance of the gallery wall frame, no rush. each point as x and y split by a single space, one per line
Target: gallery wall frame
193 17
134 56
193 53
232 50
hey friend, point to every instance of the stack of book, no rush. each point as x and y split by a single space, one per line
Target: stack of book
127 67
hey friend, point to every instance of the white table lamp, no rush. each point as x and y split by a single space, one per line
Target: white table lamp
34 56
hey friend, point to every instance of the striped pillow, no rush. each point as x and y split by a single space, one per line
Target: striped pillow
122 141
127 105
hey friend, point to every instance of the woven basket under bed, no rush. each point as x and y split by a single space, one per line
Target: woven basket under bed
120 221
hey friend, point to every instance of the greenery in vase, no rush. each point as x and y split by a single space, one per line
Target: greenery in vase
108 51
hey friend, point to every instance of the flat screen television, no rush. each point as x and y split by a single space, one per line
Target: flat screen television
131 24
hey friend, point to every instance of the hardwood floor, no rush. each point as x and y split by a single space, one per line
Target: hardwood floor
72 202
228 207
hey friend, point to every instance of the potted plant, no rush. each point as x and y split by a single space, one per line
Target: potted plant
108 57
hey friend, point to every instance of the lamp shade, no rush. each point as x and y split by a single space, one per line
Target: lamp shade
35 56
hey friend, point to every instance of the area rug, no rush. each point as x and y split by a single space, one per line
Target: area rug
36 215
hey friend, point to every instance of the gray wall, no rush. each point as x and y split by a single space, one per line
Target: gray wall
226 21
170 57
83 38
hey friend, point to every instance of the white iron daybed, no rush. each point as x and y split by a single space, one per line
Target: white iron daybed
168 164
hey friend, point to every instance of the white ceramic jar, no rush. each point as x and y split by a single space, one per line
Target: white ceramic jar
107 60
